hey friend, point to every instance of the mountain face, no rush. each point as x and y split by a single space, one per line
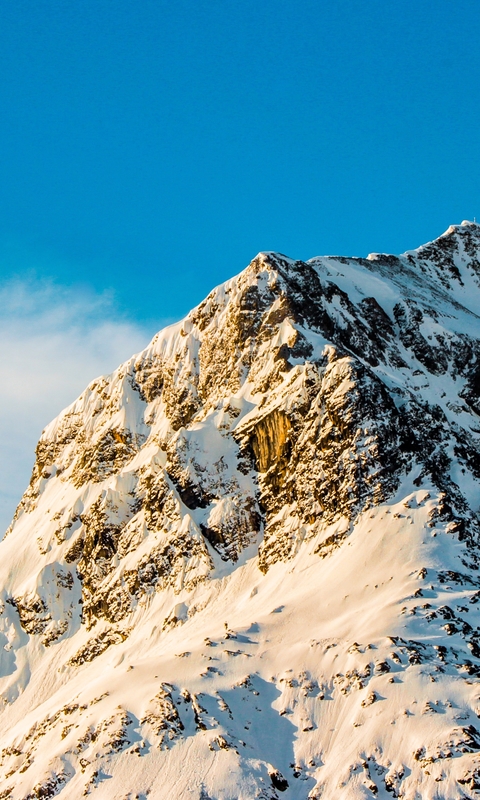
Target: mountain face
247 562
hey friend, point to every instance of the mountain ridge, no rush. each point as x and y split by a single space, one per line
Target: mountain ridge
247 514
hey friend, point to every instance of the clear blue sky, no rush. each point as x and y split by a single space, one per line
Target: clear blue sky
155 147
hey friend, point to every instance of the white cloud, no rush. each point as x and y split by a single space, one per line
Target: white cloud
53 341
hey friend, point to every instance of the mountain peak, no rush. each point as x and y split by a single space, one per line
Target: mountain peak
254 548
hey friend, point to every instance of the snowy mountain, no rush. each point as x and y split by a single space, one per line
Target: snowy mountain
247 562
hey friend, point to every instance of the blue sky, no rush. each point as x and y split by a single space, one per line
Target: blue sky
154 147
150 149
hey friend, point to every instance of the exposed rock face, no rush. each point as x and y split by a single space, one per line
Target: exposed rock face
309 428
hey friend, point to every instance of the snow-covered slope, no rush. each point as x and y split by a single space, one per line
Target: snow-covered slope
247 563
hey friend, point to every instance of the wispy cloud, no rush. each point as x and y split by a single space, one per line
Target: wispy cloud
53 341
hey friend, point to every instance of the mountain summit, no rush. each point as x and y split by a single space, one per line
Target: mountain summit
247 562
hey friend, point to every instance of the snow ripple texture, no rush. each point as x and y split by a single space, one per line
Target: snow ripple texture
247 562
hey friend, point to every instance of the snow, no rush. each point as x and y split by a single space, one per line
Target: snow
225 682
301 619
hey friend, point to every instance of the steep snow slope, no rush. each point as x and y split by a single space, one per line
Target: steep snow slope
247 563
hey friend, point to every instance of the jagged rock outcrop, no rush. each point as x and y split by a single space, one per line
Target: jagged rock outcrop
268 520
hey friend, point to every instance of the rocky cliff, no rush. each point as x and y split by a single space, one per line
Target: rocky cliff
249 558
